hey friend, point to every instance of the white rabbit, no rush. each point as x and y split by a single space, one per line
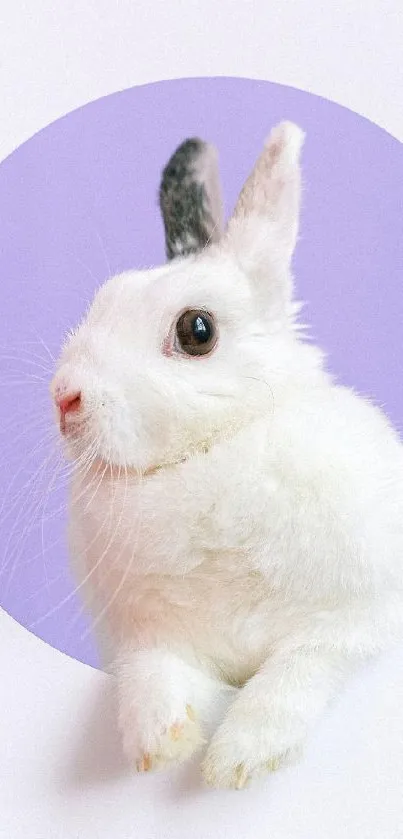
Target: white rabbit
236 516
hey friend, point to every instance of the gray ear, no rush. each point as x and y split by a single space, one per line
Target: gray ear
190 199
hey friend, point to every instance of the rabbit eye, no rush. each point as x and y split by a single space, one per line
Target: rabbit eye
196 332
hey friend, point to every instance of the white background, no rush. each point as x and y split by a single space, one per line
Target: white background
61 774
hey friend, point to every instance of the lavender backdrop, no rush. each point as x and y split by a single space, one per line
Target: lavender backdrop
78 202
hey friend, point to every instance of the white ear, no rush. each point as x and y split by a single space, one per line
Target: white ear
263 229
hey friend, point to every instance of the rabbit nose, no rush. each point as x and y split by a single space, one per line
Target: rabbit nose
67 403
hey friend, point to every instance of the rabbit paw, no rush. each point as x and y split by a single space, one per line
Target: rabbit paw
235 758
154 744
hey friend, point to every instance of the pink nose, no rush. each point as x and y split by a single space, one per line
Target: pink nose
67 403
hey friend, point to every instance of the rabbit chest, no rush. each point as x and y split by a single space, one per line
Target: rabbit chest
165 563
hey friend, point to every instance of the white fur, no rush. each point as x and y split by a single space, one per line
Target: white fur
248 530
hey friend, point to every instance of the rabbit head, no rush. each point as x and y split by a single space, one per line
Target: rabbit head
170 360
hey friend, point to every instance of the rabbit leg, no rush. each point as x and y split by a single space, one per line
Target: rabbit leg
160 701
266 726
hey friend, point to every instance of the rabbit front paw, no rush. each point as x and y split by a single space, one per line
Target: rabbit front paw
153 741
237 755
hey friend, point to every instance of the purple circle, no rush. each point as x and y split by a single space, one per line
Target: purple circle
78 202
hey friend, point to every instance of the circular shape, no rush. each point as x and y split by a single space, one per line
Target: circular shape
196 333
77 204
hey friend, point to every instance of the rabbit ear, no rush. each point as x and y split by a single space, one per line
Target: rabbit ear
264 226
190 199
